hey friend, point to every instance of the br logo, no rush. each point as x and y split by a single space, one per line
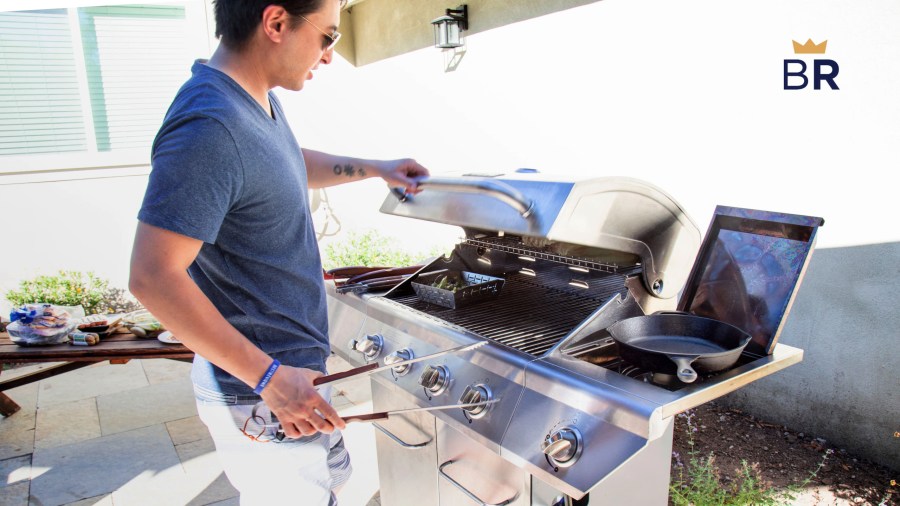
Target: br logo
795 77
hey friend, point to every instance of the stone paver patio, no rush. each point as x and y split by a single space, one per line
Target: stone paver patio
129 435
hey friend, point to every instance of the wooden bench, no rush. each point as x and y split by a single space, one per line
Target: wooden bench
117 349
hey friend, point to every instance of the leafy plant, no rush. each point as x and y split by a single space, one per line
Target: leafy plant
371 249
117 300
71 288
698 483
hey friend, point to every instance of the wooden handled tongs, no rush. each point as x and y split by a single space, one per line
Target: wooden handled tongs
374 367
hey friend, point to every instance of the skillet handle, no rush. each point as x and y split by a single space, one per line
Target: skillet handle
686 373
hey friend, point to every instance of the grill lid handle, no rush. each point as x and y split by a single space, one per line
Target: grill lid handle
497 189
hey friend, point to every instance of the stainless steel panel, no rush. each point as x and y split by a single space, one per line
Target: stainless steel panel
641 480
606 445
489 365
346 314
474 470
543 494
407 452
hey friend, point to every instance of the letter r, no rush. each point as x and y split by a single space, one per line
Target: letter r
818 76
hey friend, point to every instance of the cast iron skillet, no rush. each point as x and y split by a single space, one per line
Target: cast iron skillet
678 343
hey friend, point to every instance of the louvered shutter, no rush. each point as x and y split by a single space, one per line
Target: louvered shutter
135 61
40 102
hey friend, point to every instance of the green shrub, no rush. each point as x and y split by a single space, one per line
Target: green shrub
371 249
68 288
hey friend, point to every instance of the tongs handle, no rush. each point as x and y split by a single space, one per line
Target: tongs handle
372 284
350 271
387 272
338 376
367 417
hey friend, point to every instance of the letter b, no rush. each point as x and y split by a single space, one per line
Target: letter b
801 75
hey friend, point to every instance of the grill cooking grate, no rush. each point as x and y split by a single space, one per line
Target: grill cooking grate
527 317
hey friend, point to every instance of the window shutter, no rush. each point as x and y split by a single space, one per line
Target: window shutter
40 102
135 62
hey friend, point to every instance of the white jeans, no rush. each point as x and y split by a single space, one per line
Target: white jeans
301 471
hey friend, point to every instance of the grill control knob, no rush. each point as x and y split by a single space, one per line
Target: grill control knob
370 346
563 446
475 394
399 356
435 379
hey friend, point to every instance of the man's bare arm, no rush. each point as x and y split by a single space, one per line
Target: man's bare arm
325 170
160 281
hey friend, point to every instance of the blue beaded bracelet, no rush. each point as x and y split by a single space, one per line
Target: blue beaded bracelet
267 377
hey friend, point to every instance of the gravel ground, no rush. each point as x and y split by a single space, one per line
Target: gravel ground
782 457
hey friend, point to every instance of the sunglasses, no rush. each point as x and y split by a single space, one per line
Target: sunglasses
330 40
259 430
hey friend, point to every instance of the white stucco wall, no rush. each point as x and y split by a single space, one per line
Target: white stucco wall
687 95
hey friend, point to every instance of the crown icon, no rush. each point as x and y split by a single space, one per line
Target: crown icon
810 47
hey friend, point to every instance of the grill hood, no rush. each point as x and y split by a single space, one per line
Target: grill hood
586 218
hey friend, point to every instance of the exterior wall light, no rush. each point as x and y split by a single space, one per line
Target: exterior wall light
448 27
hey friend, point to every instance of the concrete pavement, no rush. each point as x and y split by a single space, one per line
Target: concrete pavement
129 435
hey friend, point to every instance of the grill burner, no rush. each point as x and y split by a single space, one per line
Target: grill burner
527 316
667 381
605 354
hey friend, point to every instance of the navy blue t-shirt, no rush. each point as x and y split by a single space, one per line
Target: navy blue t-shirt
229 174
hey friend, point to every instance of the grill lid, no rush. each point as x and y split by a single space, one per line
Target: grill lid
610 213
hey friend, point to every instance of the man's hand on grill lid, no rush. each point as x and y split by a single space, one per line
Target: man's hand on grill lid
292 397
404 173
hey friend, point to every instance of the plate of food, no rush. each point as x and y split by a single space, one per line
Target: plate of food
167 337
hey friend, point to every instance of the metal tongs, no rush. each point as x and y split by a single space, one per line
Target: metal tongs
374 367
384 415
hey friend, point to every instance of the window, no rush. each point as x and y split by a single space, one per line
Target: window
40 102
89 86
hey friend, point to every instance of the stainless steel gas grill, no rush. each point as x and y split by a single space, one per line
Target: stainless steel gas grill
571 421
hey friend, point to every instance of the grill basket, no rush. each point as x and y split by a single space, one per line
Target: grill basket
479 287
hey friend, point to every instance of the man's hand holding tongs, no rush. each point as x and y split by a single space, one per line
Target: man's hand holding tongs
300 409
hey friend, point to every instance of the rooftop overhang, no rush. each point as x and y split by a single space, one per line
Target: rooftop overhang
374 30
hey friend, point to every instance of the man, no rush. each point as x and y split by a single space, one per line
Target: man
225 252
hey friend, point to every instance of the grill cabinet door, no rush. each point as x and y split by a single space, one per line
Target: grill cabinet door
407 451
478 471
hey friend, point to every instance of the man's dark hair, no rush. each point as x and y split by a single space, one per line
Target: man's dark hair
236 20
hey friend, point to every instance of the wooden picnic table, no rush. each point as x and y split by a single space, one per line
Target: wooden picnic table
117 348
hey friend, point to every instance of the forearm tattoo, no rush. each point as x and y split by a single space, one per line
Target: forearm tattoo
348 170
